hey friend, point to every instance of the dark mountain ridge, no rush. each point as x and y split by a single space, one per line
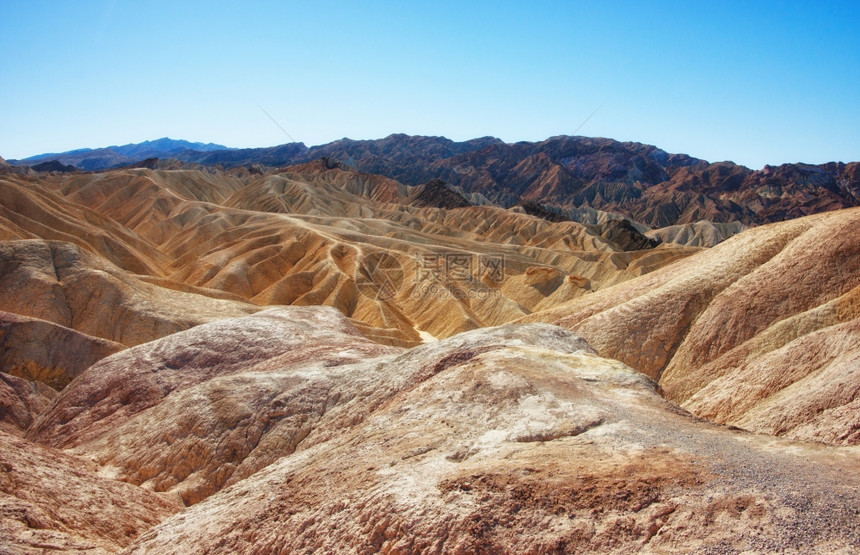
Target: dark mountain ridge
642 182
102 158
638 181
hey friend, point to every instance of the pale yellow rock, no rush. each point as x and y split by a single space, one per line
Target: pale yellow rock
298 236
759 332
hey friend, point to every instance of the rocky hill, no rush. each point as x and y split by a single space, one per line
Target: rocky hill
101 158
174 248
287 430
759 332
640 181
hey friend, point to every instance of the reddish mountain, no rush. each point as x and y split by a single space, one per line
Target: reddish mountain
570 174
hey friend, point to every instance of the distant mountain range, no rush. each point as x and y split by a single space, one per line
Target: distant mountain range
90 159
572 177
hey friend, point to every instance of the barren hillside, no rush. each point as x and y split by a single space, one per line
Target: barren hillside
312 358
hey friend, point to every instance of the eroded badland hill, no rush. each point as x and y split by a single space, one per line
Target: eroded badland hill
418 346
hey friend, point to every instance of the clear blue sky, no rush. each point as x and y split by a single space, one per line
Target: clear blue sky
755 83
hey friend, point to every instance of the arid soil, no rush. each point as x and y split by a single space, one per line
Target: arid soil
204 360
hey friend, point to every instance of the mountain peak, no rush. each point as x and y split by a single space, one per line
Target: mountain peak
171 144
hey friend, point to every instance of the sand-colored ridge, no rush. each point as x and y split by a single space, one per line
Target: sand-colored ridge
758 332
296 236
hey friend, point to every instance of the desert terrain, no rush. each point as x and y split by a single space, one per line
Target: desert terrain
415 345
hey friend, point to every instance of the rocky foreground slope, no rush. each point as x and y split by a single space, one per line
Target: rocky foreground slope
287 431
52 502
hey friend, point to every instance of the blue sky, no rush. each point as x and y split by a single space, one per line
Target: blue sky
755 83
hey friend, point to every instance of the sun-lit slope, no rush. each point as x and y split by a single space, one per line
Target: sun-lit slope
30 209
64 284
143 200
328 442
760 331
699 234
79 268
298 235
296 259
316 190
376 188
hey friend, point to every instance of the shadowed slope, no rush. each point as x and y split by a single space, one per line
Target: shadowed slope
63 284
39 350
21 402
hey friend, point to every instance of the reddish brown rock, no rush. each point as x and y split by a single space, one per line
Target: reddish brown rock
21 402
640 181
51 502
